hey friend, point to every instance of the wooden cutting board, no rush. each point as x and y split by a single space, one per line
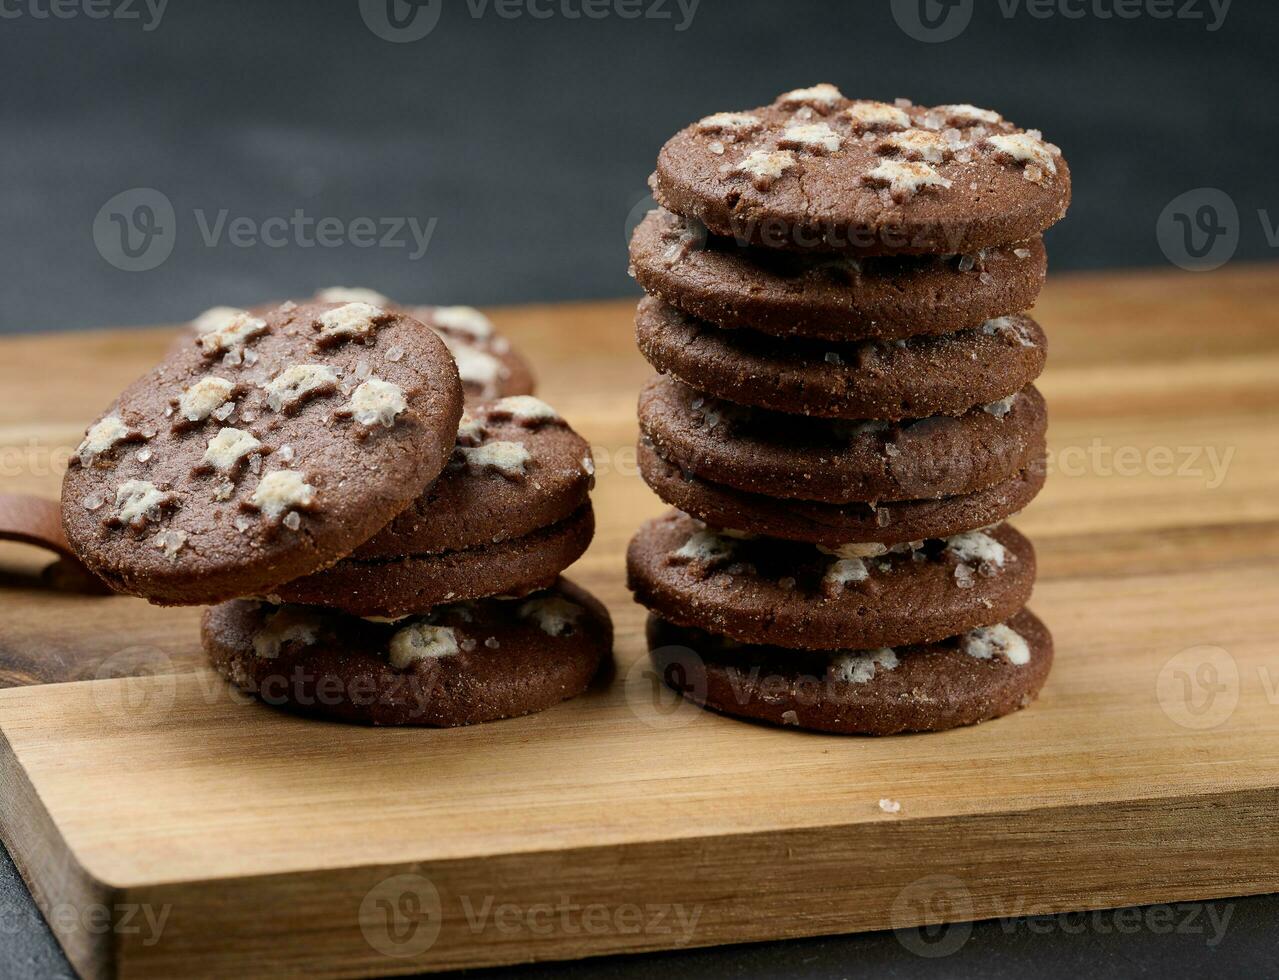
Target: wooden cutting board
164 826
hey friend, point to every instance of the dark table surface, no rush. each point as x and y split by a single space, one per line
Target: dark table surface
522 143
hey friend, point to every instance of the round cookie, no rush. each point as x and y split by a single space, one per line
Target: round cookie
831 297
415 583
815 170
490 367
265 450
832 524
837 461
783 593
460 665
983 674
922 376
474 504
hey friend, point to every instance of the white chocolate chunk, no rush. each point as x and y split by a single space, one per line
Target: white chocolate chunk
377 402
216 318
352 321
965 113
1002 640
1000 408
139 501
280 491
421 642
554 615
1024 148
844 572
508 458
734 123
877 115
470 431
235 332
917 144
352 294
978 548
905 180
466 319
859 667
170 541
1007 327
763 167
102 435
525 409
295 384
821 96
228 447
813 137
288 625
705 547
203 398
474 366
890 806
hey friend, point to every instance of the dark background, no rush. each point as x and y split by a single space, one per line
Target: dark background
530 139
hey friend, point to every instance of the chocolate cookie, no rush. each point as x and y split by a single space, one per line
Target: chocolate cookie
832 524
490 367
459 665
782 593
478 502
837 461
815 170
266 450
944 375
830 297
413 584
982 674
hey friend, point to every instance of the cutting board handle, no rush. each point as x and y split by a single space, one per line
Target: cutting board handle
38 521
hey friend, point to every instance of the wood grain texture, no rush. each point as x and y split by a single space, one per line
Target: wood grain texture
1146 771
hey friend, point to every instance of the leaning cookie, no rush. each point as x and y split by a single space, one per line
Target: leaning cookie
266 449
460 665
901 379
510 512
787 594
982 674
837 461
833 524
517 467
831 297
816 170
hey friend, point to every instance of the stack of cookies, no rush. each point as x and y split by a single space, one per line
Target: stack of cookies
844 416
375 553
